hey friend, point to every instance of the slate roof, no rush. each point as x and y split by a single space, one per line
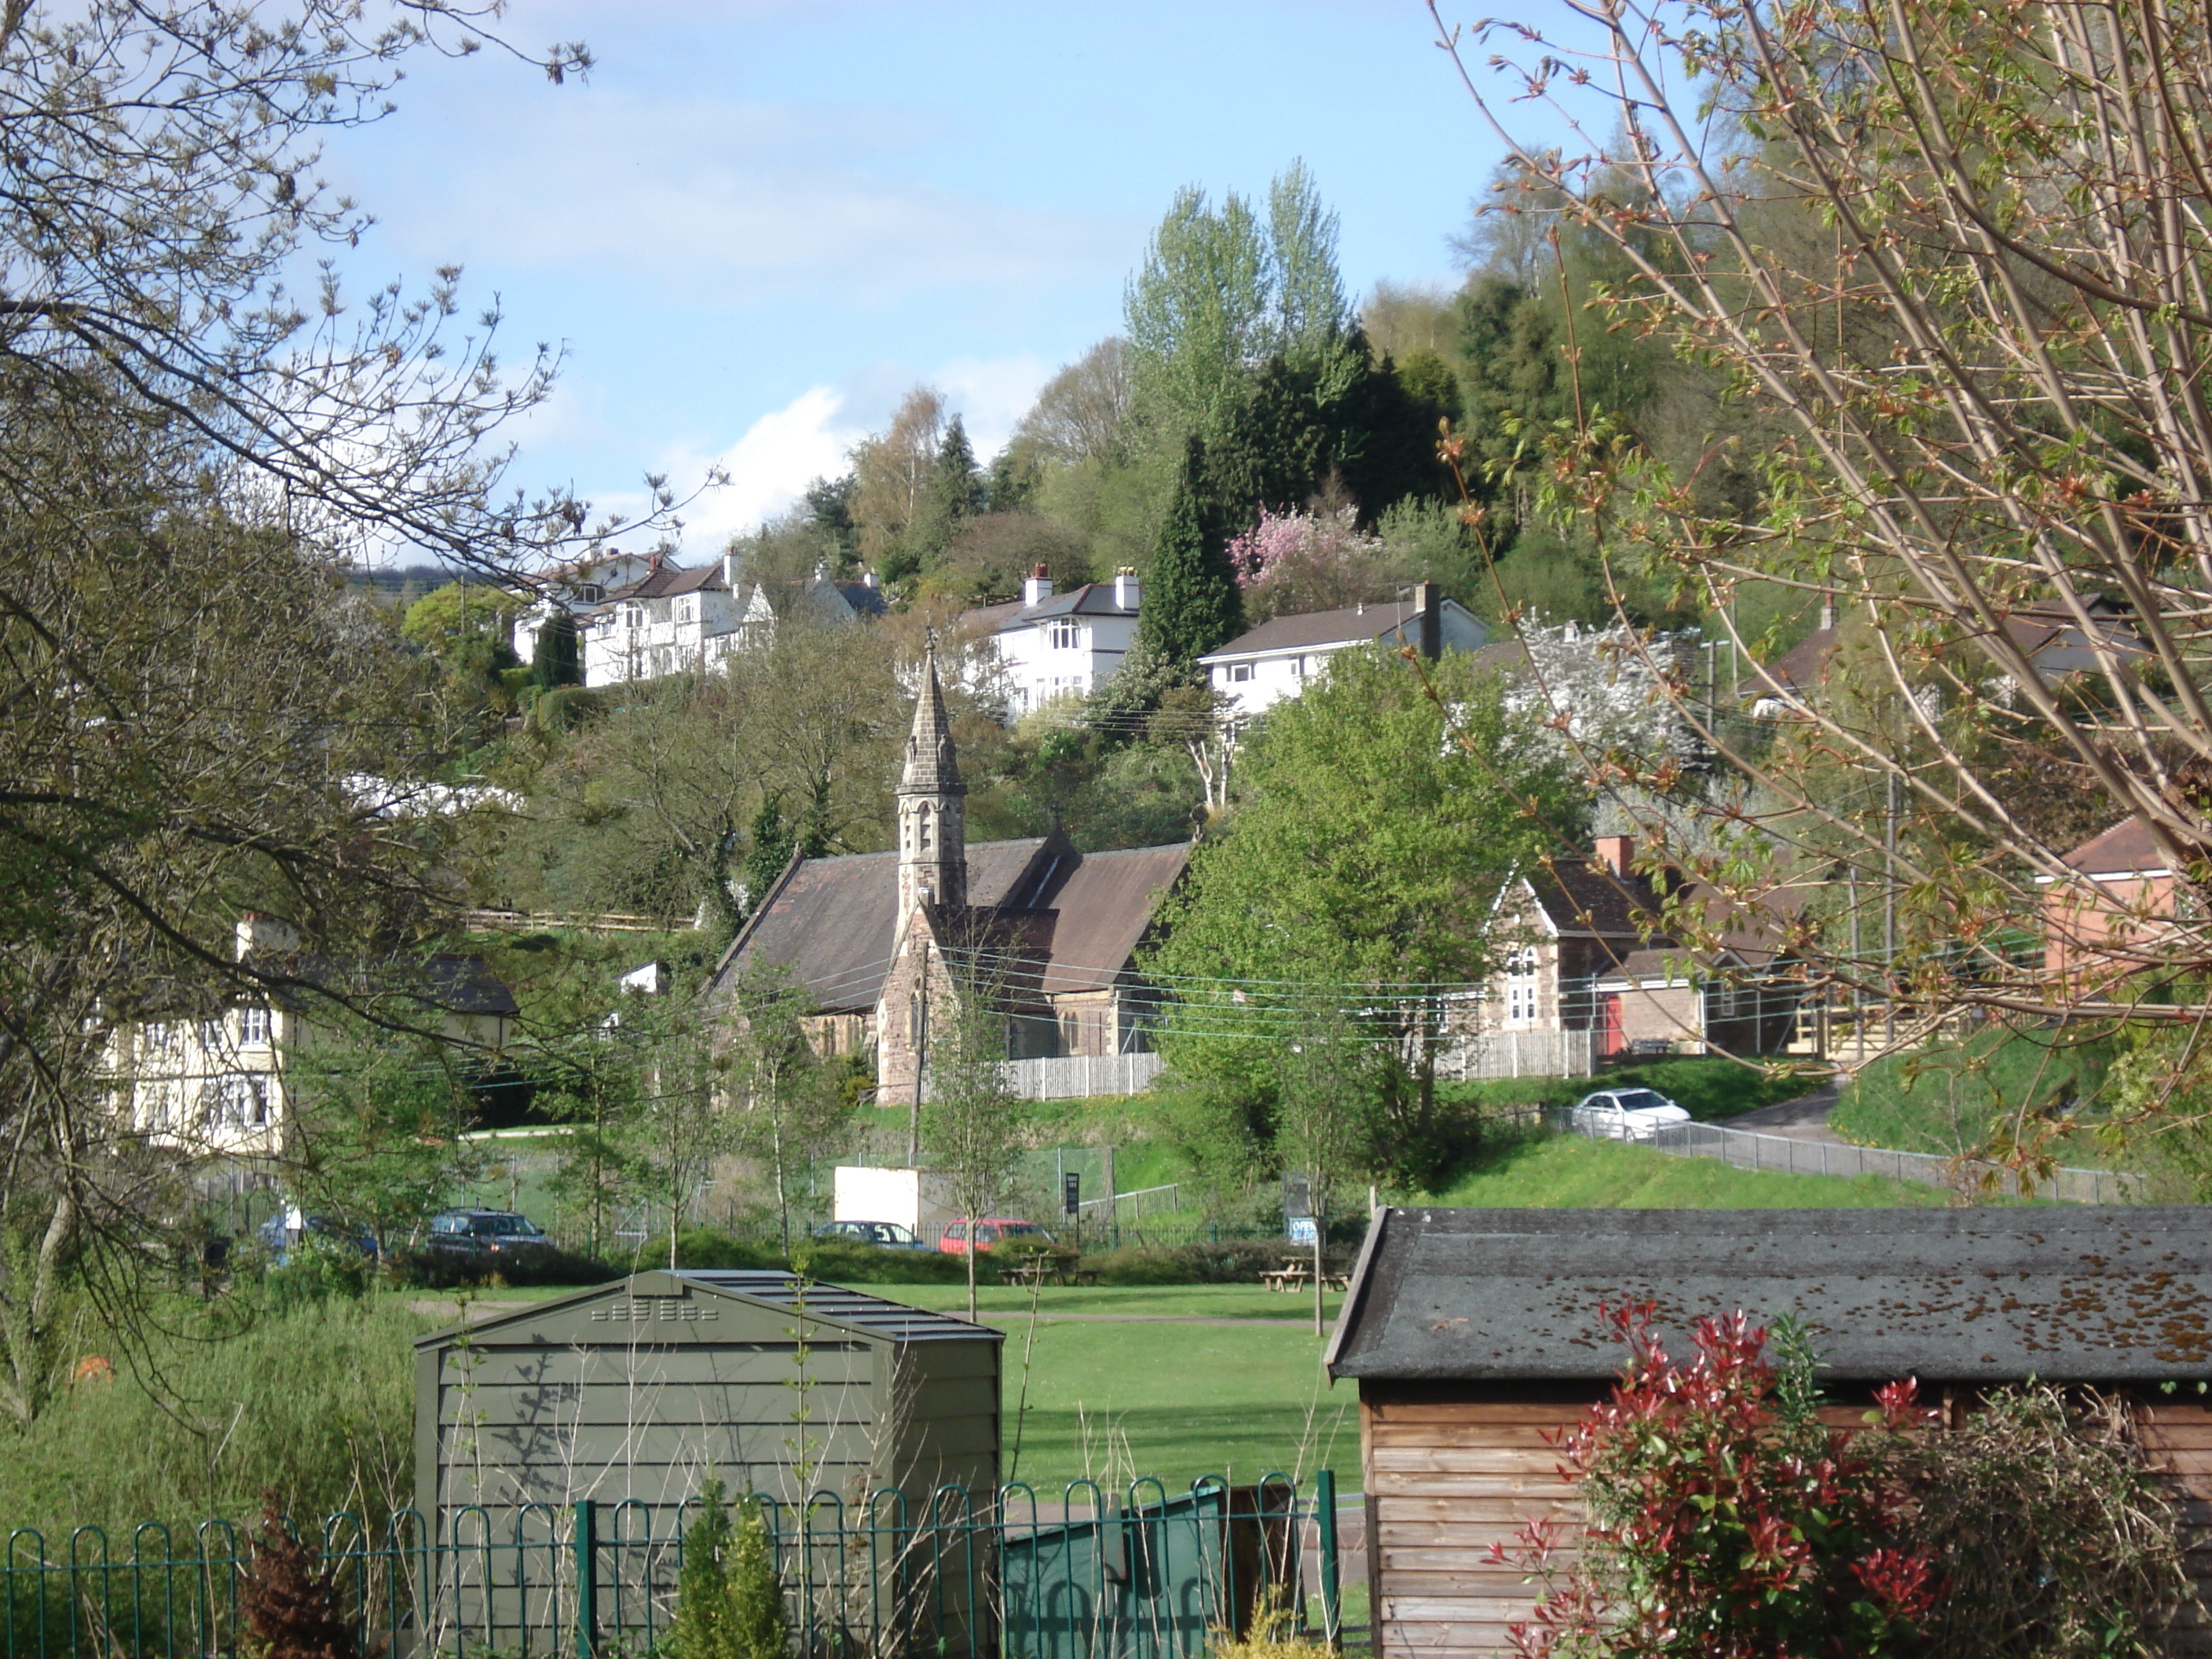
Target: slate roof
1582 896
1350 626
1092 599
831 920
2073 1293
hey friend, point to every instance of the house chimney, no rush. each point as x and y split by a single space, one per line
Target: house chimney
1828 609
260 935
1124 588
1037 586
1613 852
870 578
1432 621
733 570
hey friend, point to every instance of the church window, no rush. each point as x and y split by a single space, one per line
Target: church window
914 1021
922 844
1071 1033
1521 984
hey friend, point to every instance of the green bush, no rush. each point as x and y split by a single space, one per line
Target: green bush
729 1604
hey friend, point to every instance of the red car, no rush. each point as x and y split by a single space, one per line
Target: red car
988 1231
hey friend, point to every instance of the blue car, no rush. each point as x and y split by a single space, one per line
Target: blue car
291 1226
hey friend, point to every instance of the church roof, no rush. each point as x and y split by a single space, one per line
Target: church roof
832 922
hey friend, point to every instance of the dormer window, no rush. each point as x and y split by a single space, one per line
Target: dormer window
591 593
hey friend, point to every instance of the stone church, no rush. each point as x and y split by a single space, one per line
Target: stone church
881 940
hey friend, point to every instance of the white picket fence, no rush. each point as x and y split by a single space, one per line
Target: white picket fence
1075 1076
1520 1054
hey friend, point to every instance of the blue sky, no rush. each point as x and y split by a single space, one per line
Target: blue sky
760 222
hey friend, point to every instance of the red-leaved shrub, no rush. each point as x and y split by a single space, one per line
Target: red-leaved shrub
1726 1521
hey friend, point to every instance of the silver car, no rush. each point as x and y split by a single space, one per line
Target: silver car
1625 1114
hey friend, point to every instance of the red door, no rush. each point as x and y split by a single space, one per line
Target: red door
1609 1039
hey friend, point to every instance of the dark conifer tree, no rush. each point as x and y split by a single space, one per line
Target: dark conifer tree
1191 602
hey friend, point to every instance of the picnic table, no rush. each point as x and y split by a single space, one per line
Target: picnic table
1297 1273
1049 1270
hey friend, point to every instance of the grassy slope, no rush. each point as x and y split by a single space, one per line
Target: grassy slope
1945 1098
1565 1173
1710 1088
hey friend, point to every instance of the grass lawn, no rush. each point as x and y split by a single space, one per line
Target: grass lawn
1567 1172
1111 1399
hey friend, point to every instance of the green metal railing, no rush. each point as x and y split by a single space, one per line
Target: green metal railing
1138 1573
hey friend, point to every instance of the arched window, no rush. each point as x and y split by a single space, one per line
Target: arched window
913 1008
924 830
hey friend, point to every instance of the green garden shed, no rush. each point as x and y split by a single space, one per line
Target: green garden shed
637 1392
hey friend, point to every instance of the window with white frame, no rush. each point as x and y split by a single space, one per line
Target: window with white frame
253 1026
240 1098
1521 984
683 610
1063 635
633 616
1239 672
210 1036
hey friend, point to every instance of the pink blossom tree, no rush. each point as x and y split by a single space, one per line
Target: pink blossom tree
1293 563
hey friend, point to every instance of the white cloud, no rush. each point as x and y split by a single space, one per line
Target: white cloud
728 204
812 436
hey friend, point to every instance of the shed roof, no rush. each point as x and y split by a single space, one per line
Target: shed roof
2111 1294
828 1304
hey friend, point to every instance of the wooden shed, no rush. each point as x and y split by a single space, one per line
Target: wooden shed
641 1390
1471 1333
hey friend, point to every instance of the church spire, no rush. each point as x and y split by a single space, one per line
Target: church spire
931 812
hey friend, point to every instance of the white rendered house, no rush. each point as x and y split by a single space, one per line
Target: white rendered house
676 621
207 1073
575 588
1054 645
1257 670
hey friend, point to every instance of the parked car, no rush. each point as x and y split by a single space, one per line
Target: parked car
1625 1114
485 1232
884 1235
987 1233
290 1227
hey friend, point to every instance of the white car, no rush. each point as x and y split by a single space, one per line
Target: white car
1625 1114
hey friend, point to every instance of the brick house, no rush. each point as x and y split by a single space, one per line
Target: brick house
2109 920
1591 957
